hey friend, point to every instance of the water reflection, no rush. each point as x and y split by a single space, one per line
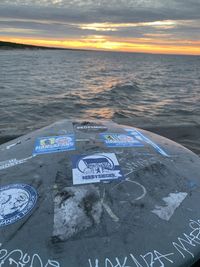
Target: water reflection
100 113
40 87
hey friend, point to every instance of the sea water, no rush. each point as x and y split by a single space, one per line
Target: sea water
38 87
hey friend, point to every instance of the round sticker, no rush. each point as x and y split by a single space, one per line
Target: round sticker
16 200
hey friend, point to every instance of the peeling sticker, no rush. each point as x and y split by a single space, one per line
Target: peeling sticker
120 140
16 201
173 201
52 144
95 168
141 137
75 210
13 162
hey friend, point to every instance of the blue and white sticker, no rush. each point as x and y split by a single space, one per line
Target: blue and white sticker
16 201
139 136
95 168
51 144
120 140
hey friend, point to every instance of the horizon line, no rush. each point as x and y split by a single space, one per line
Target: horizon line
91 49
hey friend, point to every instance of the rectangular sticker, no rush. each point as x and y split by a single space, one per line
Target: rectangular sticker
51 144
95 168
141 137
120 140
92 127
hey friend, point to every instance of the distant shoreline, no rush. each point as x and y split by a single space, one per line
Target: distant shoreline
11 46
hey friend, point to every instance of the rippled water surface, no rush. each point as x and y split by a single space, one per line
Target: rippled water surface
40 87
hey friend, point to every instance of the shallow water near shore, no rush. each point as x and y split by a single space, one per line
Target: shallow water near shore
156 92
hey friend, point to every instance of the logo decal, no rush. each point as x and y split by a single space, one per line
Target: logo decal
16 201
52 144
120 140
95 168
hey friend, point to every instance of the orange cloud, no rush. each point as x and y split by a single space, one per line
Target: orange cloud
146 45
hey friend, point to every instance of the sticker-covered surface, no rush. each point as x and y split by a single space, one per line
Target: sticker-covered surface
139 136
95 168
148 217
120 140
16 201
52 144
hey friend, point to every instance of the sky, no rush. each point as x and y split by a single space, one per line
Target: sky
150 26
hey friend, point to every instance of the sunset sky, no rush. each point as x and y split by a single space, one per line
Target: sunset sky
152 26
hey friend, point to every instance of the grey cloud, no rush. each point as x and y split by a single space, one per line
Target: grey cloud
100 11
53 29
60 19
44 13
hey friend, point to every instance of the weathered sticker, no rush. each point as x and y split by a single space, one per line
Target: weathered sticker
52 144
120 140
139 136
16 200
95 168
90 127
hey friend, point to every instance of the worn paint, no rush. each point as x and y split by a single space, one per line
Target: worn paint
173 201
76 209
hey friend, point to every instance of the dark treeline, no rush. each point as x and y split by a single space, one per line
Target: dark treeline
10 45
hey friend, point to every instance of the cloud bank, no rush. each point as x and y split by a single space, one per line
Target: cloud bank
171 23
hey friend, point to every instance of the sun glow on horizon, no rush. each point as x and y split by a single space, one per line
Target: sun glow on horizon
147 44
145 26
